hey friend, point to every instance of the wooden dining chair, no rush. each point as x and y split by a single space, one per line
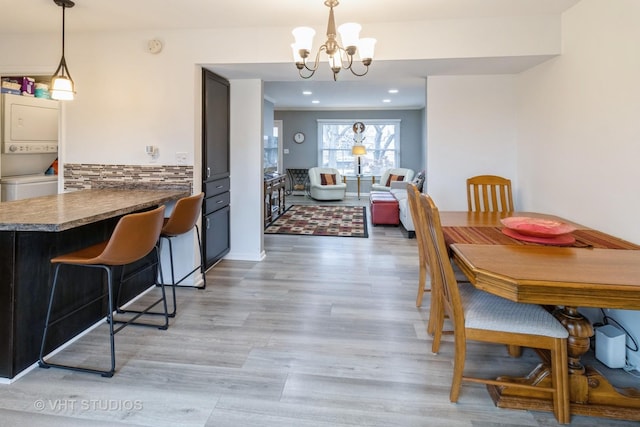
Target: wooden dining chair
413 196
420 224
480 316
489 193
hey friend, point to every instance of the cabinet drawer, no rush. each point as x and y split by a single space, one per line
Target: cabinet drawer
212 204
216 187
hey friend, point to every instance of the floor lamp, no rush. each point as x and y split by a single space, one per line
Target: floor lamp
359 150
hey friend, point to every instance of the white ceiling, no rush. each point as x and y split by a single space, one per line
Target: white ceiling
283 86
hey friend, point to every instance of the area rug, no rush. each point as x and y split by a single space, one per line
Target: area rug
342 221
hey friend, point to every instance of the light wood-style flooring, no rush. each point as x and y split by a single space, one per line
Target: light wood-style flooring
323 332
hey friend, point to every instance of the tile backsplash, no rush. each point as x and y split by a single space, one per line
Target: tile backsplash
81 176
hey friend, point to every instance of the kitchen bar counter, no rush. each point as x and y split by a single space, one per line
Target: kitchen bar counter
69 210
33 231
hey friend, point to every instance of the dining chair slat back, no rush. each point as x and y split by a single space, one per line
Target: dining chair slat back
413 196
489 193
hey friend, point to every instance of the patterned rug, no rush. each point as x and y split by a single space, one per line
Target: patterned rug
342 221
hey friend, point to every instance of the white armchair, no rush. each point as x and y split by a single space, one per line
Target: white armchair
385 179
333 187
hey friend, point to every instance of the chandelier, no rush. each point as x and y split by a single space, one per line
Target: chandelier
339 57
61 82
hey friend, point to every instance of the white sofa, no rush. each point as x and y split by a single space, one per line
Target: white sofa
382 185
399 191
318 191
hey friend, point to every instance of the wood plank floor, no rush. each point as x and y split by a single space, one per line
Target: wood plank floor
323 332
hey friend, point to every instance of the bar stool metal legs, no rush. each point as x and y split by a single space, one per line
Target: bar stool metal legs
49 323
200 267
137 313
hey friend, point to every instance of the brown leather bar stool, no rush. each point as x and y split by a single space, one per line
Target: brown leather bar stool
133 238
183 219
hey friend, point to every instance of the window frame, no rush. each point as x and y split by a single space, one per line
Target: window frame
349 161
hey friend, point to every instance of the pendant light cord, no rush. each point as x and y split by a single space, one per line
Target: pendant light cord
63 31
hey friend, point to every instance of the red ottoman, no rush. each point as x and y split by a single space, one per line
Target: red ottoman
384 208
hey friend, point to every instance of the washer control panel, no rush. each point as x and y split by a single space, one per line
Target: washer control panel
31 148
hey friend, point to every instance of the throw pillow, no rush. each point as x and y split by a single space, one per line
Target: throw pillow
418 181
328 179
393 177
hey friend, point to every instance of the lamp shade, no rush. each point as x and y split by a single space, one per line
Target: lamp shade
304 37
62 88
350 34
358 150
366 47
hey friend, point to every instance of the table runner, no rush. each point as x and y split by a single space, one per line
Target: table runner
494 236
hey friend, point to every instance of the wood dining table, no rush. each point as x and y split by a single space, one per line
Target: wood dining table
597 270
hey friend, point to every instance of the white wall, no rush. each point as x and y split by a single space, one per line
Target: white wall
579 117
470 131
247 205
579 127
567 130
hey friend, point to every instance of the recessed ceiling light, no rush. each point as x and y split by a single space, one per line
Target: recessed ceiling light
307 92
393 90
386 100
315 101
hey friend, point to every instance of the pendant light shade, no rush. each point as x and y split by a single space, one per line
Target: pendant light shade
62 87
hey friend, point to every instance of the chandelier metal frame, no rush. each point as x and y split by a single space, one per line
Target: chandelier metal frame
339 57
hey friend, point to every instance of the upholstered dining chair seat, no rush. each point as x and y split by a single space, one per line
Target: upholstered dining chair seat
490 312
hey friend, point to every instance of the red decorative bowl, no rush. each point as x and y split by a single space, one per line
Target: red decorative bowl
537 227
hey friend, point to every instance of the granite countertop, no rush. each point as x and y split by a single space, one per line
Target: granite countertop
69 210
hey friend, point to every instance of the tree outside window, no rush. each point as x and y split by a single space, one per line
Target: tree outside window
380 138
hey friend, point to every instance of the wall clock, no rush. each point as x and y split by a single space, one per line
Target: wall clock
298 137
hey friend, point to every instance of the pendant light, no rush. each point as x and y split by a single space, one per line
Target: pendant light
62 87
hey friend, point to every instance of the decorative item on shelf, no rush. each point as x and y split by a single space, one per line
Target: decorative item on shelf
350 35
62 87
358 149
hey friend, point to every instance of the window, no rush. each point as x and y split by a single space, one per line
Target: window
380 138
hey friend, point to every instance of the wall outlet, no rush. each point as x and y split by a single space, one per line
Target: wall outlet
286 151
181 158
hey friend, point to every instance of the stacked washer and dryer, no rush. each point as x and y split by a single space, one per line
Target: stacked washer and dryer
29 147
